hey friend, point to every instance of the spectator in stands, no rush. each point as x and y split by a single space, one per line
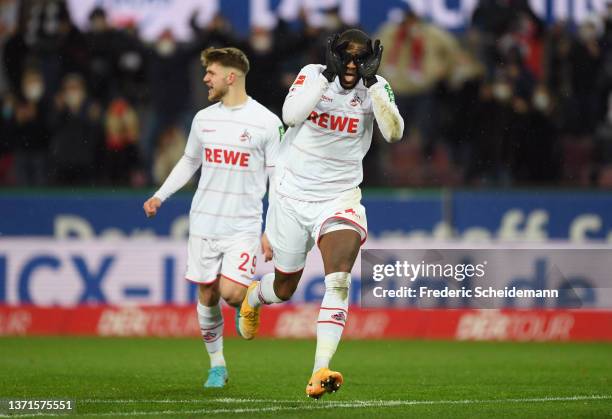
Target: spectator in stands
603 147
498 22
56 43
7 139
131 65
77 143
492 117
169 86
15 55
122 162
417 58
102 45
585 59
541 150
31 134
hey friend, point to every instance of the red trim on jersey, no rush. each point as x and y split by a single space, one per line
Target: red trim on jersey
233 280
202 282
363 240
333 308
329 321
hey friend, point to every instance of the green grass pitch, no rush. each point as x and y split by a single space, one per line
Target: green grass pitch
110 377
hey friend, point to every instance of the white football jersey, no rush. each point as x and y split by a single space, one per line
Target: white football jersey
235 146
322 156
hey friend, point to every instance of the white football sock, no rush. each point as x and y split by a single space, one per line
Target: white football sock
211 326
332 317
264 292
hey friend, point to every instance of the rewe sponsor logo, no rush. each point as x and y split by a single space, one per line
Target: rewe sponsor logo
224 156
334 122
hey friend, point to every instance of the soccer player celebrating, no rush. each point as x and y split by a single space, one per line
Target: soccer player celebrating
330 111
236 142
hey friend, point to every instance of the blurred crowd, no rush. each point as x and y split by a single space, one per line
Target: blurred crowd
511 101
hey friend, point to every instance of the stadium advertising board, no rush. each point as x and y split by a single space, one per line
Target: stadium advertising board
472 216
299 322
46 272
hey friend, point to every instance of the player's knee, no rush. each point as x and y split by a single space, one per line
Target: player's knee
285 289
233 295
208 294
342 266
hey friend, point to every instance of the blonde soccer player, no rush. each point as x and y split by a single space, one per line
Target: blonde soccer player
236 142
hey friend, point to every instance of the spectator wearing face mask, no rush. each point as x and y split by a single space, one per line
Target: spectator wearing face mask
169 86
31 131
76 146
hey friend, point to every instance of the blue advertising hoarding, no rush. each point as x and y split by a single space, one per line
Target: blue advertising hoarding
476 216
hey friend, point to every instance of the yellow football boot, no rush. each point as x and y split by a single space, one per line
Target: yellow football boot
323 381
248 317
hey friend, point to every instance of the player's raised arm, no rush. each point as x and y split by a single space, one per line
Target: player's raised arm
387 115
310 84
184 169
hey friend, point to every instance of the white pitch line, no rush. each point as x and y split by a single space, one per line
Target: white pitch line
356 404
307 400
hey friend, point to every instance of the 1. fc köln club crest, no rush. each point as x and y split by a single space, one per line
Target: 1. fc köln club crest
245 136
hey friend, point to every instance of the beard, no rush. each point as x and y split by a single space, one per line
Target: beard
216 94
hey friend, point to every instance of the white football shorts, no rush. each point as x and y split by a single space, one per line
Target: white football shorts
293 227
234 258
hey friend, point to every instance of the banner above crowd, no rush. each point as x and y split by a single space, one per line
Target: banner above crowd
155 16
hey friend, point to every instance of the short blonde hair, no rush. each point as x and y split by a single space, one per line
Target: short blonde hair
227 57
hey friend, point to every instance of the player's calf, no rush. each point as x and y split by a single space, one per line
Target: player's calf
262 292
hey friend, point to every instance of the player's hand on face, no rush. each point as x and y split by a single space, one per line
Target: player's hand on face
151 205
266 249
333 58
367 67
